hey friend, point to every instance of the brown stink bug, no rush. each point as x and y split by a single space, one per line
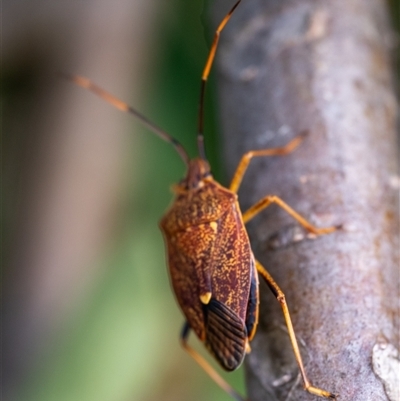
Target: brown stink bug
212 268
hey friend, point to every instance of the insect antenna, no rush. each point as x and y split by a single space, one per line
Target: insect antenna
119 104
204 77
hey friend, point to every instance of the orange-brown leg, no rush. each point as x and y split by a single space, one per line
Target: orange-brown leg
246 158
206 366
265 202
280 296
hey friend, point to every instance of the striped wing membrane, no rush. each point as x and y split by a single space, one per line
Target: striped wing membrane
226 334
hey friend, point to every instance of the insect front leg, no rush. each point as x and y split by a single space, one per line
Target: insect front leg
206 366
266 201
280 296
246 158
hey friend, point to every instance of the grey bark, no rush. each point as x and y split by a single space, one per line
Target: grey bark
324 67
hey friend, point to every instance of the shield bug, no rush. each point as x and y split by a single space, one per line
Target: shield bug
213 271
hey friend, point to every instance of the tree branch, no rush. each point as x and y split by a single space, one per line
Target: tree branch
324 67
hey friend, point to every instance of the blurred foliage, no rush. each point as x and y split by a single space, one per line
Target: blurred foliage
394 11
124 343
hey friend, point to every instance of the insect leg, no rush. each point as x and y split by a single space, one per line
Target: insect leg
280 296
206 366
246 158
266 201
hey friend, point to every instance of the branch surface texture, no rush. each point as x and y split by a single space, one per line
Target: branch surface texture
286 67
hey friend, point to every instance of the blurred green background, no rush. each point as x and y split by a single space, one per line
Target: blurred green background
104 326
87 309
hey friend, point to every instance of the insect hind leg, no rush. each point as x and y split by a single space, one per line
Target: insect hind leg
206 366
280 296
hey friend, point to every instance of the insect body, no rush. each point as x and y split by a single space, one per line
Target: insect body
212 268
211 265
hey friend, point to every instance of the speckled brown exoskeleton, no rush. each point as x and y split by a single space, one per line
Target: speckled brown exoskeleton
212 268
